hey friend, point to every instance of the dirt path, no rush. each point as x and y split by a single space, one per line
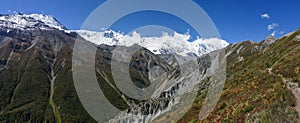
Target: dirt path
294 87
296 91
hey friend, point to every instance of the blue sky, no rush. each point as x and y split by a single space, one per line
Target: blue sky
236 20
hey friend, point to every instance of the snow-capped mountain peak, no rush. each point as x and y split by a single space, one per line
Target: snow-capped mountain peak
164 44
175 43
30 21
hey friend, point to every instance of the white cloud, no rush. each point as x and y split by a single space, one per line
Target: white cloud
265 15
272 26
281 32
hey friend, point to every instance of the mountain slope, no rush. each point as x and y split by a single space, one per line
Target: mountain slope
252 92
34 77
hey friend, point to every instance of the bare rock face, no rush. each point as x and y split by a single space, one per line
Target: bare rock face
267 42
297 38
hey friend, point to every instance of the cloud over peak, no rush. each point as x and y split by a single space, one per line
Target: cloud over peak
272 26
265 15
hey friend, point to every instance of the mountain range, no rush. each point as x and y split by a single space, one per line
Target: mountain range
36 75
165 44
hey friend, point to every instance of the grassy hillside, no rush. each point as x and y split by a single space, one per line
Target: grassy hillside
251 93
